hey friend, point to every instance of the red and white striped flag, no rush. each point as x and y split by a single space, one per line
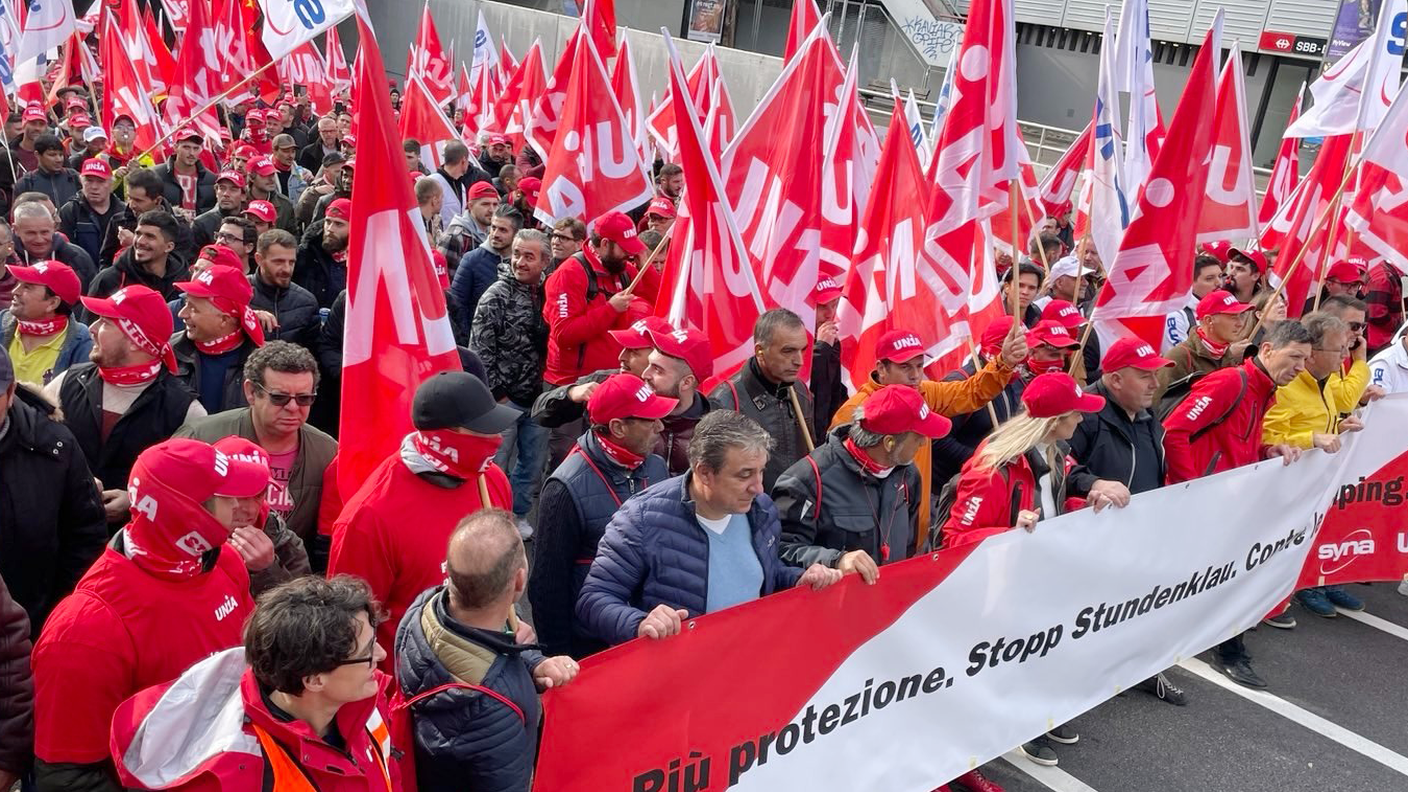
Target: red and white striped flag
627 91
1285 172
1379 212
516 101
427 59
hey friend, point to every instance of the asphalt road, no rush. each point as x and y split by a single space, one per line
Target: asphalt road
1335 718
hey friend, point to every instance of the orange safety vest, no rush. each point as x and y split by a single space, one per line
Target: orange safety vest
289 777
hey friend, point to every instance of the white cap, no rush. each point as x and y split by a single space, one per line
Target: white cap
92 133
1069 265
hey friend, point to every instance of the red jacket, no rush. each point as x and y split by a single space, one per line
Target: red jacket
120 631
395 530
986 499
578 342
179 736
1217 426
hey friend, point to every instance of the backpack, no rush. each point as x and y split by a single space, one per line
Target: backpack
1169 404
948 496
402 725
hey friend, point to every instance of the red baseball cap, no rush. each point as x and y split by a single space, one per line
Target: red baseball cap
263 210
994 335
898 346
350 140
896 409
340 209
261 165
1063 313
530 186
219 254
80 119
229 290
247 470
661 207
688 344
618 228
96 169
637 336
1256 257
244 151
231 176
1132 352
1219 250
1345 272
75 102
254 118
1052 333
1057 393
58 277
190 133
1220 302
35 113
142 315
184 469
481 190
498 139
827 289
626 396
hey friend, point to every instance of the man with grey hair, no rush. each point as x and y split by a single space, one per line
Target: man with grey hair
767 390
430 197
34 227
694 544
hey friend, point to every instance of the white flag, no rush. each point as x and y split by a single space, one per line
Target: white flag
47 26
288 25
485 51
1353 95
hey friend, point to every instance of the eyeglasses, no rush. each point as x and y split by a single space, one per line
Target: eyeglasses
1357 327
280 399
369 660
563 238
225 239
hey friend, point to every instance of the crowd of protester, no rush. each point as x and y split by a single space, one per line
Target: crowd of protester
177 550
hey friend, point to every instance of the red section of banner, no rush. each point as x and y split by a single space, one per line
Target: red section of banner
1364 537
662 698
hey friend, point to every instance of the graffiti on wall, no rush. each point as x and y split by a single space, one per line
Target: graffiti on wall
934 38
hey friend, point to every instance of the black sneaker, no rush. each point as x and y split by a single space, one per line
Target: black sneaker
1240 671
1281 621
1063 734
1040 751
1160 687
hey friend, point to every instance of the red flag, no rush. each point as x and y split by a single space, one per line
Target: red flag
599 18
178 13
542 118
890 285
1285 172
774 177
338 73
841 201
1149 276
627 91
593 166
161 64
661 122
720 118
423 120
464 91
516 101
1230 209
1019 221
304 66
398 333
126 91
707 283
805 19
479 116
1059 182
507 63
428 60
1292 229
197 76
242 53
1379 211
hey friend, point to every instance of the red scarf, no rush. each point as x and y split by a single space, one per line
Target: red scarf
1217 350
865 461
222 344
1039 367
171 546
619 454
130 375
52 327
279 166
460 455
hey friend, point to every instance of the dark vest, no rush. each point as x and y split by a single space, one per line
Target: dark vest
158 412
596 503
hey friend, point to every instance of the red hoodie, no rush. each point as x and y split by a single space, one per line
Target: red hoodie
1217 426
578 342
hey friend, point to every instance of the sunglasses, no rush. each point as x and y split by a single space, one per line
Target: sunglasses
1357 327
280 399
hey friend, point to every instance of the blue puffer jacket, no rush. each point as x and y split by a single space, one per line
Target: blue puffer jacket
655 553
467 739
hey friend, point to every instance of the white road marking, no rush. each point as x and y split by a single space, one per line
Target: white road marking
1053 778
1396 630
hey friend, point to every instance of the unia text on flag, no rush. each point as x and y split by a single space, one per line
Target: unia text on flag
1150 275
516 100
1229 213
891 283
428 60
1299 233
422 119
160 63
707 283
1379 211
289 24
1102 210
593 166
543 115
773 176
627 91
126 90
841 187
398 332
246 68
975 159
1285 171
1059 182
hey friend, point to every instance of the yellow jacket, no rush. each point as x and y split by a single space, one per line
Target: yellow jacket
1305 406
948 399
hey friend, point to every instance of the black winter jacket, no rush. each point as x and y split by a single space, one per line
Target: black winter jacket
171 189
84 227
188 371
52 525
316 270
828 506
466 738
125 271
953 449
207 225
750 393
827 388
328 408
126 219
1110 446
60 186
510 336
293 306
16 687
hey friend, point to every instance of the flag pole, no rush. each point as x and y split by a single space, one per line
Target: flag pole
1349 165
1041 249
221 97
801 419
978 366
1300 254
1014 281
645 265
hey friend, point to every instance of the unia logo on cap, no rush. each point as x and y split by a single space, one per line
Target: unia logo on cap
1058 330
643 395
1067 311
205 277
222 464
1144 351
638 326
118 296
41 268
145 505
908 342
923 411
1229 300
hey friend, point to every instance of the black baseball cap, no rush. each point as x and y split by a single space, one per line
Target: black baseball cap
334 158
459 400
